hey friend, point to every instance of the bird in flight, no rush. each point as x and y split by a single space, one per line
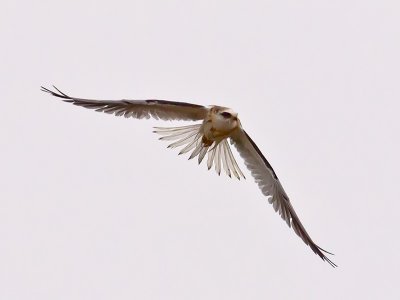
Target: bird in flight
210 137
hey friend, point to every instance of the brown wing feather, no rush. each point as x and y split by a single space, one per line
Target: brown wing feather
271 187
139 109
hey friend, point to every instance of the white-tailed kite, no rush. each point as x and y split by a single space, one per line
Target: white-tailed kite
209 137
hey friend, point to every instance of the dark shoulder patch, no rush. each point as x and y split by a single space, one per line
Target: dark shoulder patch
262 156
175 103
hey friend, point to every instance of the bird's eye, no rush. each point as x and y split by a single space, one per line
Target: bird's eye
226 114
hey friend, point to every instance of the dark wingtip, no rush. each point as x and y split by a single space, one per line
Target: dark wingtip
323 250
43 89
325 258
56 93
330 262
60 92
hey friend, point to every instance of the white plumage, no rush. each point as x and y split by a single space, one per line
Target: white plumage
209 138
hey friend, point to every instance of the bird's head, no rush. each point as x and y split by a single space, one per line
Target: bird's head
225 119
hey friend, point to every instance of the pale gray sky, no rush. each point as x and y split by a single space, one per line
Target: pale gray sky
94 207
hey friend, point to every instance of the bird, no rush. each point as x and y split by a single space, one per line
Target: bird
210 137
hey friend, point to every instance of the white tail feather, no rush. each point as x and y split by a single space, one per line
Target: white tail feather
219 153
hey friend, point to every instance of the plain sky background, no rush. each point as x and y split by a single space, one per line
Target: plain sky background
94 207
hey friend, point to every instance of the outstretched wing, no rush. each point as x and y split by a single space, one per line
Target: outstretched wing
271 187
139 109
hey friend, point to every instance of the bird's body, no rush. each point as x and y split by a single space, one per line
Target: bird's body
210 137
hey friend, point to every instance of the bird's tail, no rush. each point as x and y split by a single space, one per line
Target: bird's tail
190 138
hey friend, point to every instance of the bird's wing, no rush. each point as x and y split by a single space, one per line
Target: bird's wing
271 187
139 109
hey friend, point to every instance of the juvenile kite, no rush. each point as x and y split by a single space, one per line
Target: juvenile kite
209 137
